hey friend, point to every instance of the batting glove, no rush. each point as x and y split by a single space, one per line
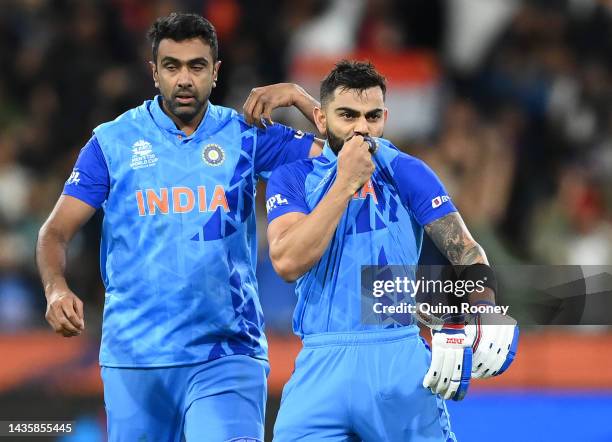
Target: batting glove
451 362
494 339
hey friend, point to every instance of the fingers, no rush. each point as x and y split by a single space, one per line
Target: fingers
492 354
258 108
355 165
480 352
500 349
65 315
447 372
354 141
479 357
60 322
433 374
257 111
357 143
505 342
494 349
450 368
78 307
364 144
453 386
455 378
266 113
72 316
442 377
249 106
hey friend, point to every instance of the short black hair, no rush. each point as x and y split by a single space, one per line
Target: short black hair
180 26
350 74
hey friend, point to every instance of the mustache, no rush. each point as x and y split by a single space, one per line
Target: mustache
184 93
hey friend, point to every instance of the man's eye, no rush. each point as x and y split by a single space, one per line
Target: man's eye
170 67
197 67
346 115
374 117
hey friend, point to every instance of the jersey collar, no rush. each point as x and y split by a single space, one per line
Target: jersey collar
329 153
166 123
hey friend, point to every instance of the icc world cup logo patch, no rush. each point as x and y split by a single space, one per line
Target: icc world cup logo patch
213 155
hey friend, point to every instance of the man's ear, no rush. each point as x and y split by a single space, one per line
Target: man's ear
216 68
154 73
385 115
320 120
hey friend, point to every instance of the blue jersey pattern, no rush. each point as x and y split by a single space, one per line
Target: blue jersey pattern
178 245
383 224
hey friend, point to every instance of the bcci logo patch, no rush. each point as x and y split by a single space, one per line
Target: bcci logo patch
213 155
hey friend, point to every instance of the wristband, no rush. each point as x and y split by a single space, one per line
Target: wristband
479 273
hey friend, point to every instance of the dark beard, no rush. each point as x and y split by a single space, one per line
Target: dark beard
184 113
334 141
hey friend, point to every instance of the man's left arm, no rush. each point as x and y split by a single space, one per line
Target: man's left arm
456 351
422 192
453 239
493 336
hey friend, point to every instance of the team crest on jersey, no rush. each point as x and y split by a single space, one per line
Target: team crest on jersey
213 155
142 155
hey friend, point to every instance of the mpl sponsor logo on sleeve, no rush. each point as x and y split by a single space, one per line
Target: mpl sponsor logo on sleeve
275 201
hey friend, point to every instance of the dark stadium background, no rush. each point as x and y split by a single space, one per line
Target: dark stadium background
509 101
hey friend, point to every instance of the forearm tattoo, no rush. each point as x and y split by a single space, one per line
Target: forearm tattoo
452 238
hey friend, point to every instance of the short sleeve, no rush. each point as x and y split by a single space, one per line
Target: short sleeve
285 192
278 145
421 191
89 180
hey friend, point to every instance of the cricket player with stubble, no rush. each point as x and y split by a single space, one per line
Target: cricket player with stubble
183 351
363 203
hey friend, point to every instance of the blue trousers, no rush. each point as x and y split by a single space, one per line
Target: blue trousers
217 401
364 386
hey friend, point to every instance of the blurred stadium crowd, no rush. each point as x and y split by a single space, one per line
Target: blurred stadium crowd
521 132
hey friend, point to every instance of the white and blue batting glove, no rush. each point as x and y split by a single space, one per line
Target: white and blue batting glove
494 339
451 362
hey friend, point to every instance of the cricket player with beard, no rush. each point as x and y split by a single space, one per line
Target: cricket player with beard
363 202
183 349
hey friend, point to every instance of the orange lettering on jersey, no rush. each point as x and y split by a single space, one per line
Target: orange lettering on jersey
140 202
154 202
368 189
202 198
178 204
218 199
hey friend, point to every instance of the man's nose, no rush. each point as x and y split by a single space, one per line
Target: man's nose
184 78
361 126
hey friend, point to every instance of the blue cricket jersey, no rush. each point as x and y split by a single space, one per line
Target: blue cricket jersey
178 246
382 225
